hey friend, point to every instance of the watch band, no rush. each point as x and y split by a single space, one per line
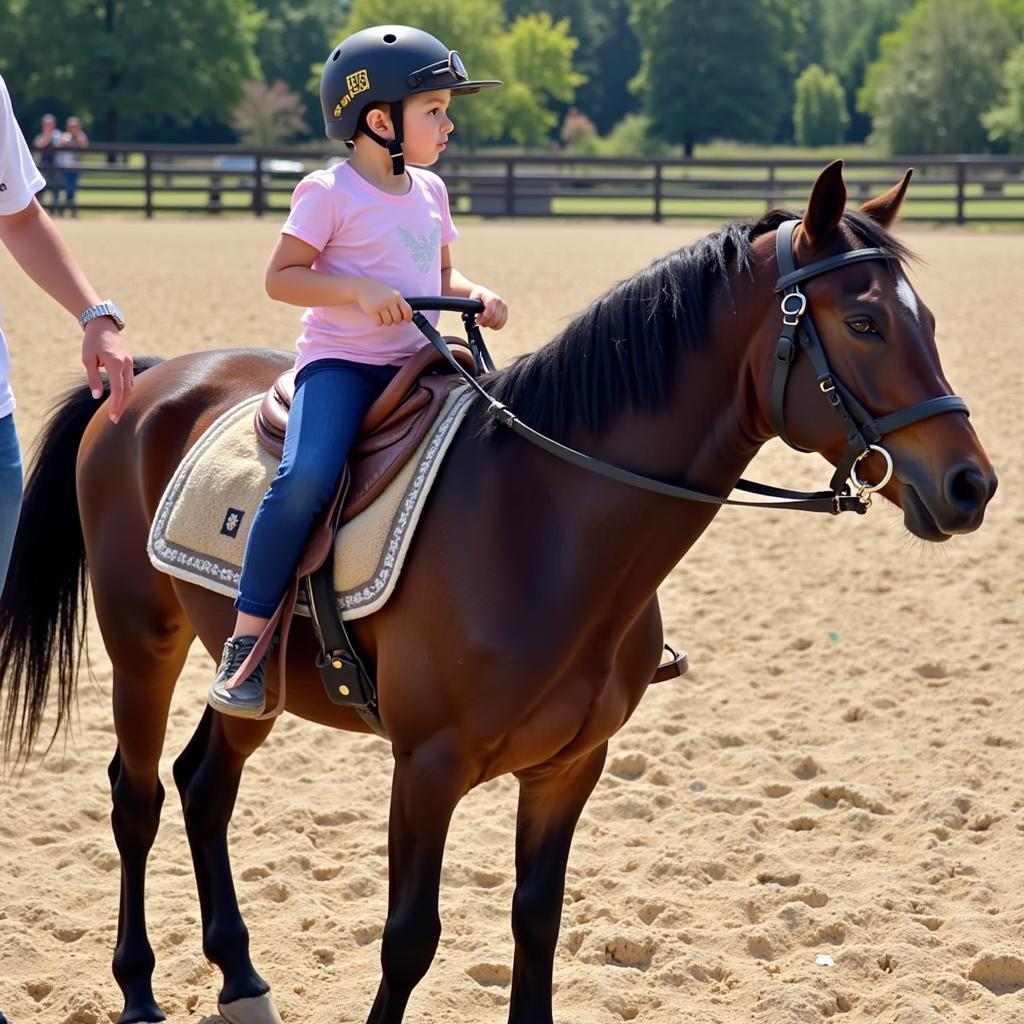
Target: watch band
105 308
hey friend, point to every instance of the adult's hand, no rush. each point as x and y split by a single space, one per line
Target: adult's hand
102 347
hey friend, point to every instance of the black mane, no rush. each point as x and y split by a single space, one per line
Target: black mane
622 350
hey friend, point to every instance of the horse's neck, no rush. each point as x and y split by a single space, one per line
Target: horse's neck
703 438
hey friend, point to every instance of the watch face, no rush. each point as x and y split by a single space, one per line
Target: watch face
115 311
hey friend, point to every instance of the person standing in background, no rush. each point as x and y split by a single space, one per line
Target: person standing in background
67 162
31 238
45 143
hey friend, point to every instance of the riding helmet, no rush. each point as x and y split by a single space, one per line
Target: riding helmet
385 64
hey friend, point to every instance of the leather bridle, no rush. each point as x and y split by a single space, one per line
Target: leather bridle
863 431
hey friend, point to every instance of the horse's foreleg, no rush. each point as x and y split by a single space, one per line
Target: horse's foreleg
427 785
207 775
550 803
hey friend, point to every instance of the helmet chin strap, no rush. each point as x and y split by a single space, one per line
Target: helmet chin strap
393 146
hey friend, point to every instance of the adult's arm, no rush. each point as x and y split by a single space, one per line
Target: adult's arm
33 241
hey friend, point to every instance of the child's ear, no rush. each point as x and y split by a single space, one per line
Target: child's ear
379 122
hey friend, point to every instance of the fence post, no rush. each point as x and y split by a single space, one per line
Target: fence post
961 182
657 190
257 189
771 204
510 188
148 179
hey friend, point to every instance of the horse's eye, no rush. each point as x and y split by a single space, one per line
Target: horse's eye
862 325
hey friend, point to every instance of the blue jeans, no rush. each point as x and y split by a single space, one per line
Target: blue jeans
331 398
10 491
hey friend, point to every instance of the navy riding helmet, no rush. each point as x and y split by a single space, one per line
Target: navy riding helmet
385 64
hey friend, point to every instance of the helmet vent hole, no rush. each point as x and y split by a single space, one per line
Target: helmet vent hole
337 54
391 38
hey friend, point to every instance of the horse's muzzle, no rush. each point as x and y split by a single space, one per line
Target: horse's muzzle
959 507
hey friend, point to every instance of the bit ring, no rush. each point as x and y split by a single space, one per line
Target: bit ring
863 488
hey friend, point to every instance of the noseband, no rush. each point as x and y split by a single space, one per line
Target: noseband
863 431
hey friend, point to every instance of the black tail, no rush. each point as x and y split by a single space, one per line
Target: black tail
45 600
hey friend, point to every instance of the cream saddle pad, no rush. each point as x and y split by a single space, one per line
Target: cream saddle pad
202 523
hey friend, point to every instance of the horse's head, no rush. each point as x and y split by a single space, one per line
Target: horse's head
862 366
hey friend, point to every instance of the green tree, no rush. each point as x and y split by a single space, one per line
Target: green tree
851 33
936 76
714 68
127 61
1005 122
295 36
608 55
537 58
819 116
1013 11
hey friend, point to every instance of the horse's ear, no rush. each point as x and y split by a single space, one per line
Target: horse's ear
886 208
826 205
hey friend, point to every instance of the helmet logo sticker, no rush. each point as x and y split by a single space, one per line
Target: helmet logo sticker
357 82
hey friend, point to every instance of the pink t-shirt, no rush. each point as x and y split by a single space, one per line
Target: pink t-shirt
365 232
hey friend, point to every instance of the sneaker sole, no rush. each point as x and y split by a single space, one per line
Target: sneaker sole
234 710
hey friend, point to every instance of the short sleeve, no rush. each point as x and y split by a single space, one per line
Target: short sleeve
312 216
448 232
20 179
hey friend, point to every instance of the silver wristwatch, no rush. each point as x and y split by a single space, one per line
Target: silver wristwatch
105 308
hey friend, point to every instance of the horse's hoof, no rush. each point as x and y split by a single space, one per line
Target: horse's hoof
253 1010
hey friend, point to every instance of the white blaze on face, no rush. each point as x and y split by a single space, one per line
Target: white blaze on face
906 295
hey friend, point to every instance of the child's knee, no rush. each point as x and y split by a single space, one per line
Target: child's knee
303 491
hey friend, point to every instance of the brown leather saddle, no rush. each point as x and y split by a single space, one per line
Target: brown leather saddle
392 428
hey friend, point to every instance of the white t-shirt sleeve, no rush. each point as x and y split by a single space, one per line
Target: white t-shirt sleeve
20 179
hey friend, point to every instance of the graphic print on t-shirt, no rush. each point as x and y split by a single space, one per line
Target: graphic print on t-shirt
424 250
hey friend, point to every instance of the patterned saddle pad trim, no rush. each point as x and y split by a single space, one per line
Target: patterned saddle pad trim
202 523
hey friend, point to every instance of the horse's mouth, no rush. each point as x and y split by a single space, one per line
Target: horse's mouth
916 517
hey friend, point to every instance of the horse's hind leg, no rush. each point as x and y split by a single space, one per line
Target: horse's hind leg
207 775
550 803
147 661
427 785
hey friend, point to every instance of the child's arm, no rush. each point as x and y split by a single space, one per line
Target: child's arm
453 283
36 247
290 278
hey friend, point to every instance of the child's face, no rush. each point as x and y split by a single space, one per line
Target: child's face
427 126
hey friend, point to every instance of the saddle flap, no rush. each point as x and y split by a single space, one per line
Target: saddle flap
373 468
398 424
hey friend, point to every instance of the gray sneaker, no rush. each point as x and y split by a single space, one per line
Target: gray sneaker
247 699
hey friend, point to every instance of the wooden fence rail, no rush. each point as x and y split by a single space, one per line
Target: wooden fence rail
205 179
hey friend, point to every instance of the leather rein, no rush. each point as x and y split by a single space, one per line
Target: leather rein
863 432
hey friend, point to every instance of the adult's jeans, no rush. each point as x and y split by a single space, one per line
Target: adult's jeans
10 491
331 398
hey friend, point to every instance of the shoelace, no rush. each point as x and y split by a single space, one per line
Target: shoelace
235 653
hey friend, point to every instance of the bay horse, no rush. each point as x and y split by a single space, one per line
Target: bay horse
526 626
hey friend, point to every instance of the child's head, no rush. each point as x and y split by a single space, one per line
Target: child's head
426 125
391 82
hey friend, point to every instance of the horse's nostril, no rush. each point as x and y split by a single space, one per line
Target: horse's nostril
967 487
